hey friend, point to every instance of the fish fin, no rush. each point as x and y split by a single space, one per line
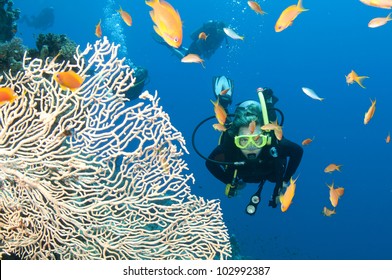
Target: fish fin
152 3
300 7
359 80
158 31
339 192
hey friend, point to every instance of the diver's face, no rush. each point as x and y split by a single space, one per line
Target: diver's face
251 151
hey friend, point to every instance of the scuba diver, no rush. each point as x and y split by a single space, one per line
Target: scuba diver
43 20
141 75
248 154
205 40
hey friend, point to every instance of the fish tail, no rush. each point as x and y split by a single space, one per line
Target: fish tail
389 16
359 80
300 7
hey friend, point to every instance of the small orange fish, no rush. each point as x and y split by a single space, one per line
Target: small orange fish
98 30
287 17
369 114
224 91
307 141
335 194
252 127
219 127
167 22
7 95
203 36
256 7
68 80
332 167
125 16
220 112
193 58
384 4
275 127
379 21
353 77
328 212
286 198
388 139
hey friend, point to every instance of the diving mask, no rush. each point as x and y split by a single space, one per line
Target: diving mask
247 141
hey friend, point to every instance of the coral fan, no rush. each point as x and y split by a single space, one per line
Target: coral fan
83 176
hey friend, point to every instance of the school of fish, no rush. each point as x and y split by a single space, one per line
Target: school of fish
168 25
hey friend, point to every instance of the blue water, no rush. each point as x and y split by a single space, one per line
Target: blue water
317 51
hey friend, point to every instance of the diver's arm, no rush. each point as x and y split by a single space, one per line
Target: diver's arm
294 152
216 169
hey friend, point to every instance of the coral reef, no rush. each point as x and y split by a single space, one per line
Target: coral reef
49 45
83 175
11 55
8 18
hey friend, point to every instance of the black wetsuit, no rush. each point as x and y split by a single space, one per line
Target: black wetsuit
271 164
206 48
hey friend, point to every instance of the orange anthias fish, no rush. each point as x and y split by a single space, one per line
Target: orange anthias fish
388 139
353 77
332 167
220 127
220 112
287 17
167 21
379 21
335 194
328 212
307 141
98 30
369 114
252 127
7 95
125 16
275 127
202 36
68 80
384 4
224 91
193 58
256 7
286 198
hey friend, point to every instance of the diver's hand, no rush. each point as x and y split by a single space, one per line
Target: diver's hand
231 190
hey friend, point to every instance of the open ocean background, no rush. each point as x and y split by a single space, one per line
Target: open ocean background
322 46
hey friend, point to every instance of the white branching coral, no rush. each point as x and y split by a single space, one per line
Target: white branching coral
84 175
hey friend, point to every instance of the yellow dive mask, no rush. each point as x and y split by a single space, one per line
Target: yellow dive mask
255 140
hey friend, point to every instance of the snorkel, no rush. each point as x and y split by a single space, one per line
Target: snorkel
247 136
264 111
